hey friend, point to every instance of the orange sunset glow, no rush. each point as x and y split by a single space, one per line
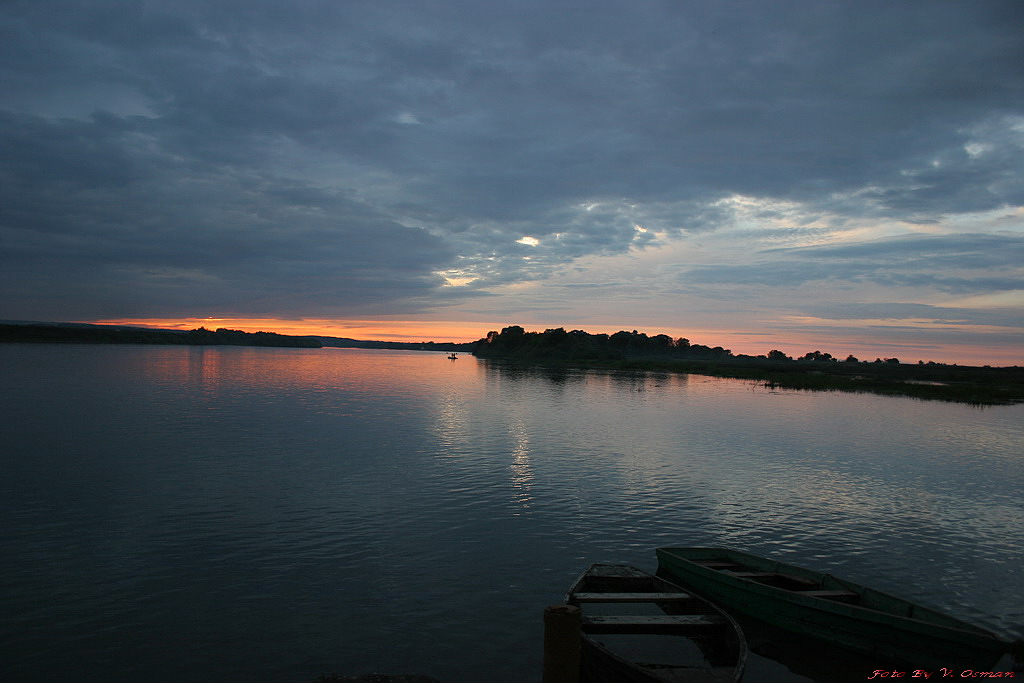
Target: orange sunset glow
377 330
794 343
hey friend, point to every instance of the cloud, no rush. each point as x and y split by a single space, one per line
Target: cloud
95 206
953 264
937 315
339 158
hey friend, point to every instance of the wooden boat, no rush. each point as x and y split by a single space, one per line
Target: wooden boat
638 628
824 607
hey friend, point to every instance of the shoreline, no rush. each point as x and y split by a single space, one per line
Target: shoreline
977 386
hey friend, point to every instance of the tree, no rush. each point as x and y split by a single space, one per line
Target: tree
555 336
620 338
660 341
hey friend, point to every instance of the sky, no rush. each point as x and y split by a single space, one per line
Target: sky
793 175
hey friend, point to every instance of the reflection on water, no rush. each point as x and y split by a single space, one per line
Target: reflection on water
270 514
522 474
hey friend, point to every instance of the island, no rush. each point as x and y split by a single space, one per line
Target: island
813 371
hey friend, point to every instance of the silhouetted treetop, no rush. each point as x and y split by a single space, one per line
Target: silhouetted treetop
557 343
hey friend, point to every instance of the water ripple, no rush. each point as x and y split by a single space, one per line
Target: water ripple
273 514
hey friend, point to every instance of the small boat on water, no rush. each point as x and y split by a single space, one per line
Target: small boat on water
824 607
452 356
638 628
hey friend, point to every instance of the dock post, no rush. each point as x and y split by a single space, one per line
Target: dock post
562 644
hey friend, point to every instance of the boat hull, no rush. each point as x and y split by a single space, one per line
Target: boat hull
618 601
826 608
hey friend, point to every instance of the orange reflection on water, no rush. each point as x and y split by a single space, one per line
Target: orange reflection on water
307 373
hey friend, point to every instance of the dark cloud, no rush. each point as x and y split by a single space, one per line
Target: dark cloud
93 210
326 157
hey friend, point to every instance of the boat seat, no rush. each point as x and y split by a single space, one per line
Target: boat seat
831 594
778 580
632 597
716 564
668 623
766 575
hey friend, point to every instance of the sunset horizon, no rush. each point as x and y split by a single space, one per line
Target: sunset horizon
748 343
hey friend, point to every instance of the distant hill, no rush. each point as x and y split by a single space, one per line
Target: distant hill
344 342
84 333
31 331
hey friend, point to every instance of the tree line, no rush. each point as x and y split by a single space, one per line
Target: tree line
813 370
557 343
110 334
515 342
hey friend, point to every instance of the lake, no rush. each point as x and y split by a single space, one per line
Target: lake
259 514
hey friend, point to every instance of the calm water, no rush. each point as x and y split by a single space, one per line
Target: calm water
246 514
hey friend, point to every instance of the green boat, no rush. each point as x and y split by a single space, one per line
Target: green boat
822 606
638 628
